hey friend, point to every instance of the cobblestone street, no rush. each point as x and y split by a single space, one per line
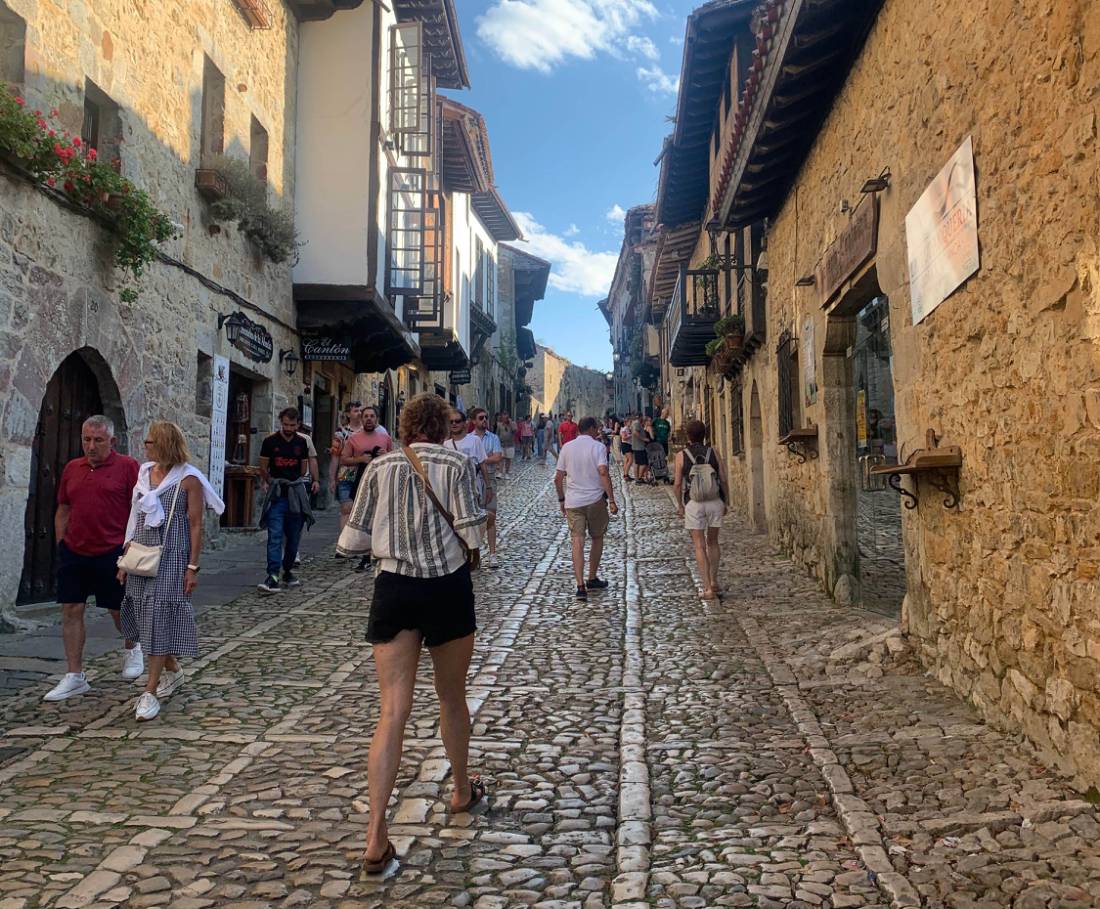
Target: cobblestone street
644 749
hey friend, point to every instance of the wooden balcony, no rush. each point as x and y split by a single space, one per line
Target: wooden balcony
691 315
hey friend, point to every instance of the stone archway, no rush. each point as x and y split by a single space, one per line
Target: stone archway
82 385
757 511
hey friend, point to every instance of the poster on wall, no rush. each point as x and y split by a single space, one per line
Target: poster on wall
809 360
219 413
941 234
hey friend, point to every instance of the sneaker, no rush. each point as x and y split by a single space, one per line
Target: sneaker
596 584
493 562
582 594
269 585
72 683
133 662
169 683
147 707
362 564
297 561
289 580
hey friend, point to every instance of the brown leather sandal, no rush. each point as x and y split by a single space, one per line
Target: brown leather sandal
373 869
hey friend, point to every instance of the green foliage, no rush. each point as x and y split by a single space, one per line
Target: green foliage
245 203
729 325
713 346
53 157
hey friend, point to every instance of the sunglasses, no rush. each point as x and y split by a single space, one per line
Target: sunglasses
457 422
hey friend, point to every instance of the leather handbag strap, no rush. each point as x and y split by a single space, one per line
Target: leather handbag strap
172 512
418 466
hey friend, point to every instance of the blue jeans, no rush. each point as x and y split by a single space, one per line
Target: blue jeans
538 445
284 533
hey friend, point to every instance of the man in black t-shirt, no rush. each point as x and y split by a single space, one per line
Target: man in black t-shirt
284 462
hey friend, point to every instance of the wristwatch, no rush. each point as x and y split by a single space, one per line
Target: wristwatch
194 568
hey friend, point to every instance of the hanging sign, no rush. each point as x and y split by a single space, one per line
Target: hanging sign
219 414
460 376
325 349
809 360
847 253
941 234
253 340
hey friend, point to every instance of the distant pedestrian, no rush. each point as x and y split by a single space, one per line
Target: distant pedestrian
637 449
552 445
471 445
625 436
585 493
526 438
93 503
540 438
167 511
361 447
567 429
347 474
284 464
508 434
662 429
616 441
423 595
702 499
494 458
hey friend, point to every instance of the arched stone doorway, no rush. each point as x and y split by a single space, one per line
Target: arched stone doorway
757 512
81 386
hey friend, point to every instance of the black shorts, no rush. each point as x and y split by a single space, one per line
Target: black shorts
640 457
81 576
441 609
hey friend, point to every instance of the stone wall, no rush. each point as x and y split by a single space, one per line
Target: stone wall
58 289
559 385
1002 592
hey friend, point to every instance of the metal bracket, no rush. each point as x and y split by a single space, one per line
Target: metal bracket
947 482
802 450
909 499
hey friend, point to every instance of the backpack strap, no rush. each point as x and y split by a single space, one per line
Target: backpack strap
688 454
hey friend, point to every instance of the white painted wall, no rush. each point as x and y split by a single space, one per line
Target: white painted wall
331 198
466 226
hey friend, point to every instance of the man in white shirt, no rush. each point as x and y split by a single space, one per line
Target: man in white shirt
494 455
585 493
470 445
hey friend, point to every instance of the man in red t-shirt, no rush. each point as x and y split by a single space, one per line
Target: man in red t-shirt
567 429
362 447
93 507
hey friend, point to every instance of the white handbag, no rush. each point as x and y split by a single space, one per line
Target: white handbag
144 561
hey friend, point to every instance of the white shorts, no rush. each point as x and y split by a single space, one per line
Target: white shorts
510 453
703 515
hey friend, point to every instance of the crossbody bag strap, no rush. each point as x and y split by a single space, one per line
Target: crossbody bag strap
172 512
418 466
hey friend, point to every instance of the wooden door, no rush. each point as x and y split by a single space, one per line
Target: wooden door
71 397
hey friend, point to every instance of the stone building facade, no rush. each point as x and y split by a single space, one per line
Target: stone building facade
558 387
997 590
60 311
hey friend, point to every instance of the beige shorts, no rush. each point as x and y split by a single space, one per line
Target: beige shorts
594 518
703 515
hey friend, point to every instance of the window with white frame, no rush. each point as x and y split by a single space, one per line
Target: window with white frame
479 275
412 92
490 284
405 230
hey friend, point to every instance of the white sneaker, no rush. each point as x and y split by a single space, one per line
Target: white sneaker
133 662
493 562
147 707
169 683
72 683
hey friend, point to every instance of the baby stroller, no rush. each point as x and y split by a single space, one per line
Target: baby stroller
658 462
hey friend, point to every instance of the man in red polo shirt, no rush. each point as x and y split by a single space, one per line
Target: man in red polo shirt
93 506
568 430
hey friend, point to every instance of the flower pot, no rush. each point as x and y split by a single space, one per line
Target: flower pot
735 341
210 184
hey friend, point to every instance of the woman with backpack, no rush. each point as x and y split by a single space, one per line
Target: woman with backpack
702 497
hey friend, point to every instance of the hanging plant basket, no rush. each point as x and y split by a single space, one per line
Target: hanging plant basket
211 184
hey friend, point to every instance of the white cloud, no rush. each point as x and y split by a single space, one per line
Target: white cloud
658 81
540 34
576 269
642 46
572 230
616 214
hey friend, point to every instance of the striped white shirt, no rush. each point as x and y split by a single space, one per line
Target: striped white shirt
394 520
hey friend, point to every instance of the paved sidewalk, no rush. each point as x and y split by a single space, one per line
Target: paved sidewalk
646 749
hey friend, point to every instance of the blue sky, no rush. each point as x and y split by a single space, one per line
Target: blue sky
577 95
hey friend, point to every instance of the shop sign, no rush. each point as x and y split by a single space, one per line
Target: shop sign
253 340
941 234
848 252
460 376
325 349
809 360
219 414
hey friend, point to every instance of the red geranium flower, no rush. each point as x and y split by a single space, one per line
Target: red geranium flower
19 101
92 154
50 181
69 186
76 141
55 113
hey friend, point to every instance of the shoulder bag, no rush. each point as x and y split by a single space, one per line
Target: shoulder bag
144 561
473 556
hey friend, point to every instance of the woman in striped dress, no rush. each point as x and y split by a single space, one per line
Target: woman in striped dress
166 511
